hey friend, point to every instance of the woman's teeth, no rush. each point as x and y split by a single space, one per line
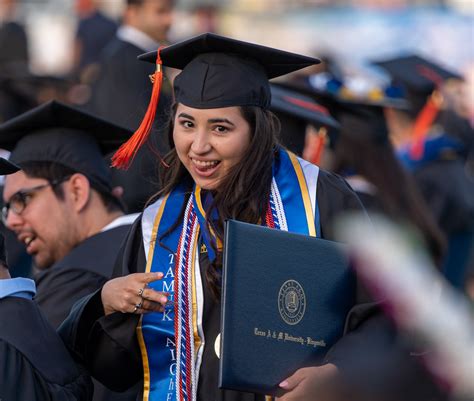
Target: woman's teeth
205 164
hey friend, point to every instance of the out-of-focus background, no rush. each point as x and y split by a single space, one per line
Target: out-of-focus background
348 30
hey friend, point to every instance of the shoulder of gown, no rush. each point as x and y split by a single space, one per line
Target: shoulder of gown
334 196
107 345
34 364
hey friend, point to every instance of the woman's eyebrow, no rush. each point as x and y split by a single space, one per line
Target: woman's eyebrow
220 120
184 115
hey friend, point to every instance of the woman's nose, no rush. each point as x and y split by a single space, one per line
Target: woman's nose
201 143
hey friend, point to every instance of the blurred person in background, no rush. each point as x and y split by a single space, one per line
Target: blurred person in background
62 206
123 89
206 17
361 152
34 363
434 156
364 156
94 32
14 56
13 38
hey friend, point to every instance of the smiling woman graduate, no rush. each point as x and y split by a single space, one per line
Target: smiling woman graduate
225 162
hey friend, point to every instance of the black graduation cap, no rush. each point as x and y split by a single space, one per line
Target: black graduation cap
417 73
216 72
55 132
417 76
303 107
222 72
7 167
295 111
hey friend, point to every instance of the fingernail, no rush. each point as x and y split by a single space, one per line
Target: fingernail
283 384
159 274
163 300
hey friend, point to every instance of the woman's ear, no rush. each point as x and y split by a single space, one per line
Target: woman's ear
79 191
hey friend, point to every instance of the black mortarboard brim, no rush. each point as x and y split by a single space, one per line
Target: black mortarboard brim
7 167
418 77
222 72
55 132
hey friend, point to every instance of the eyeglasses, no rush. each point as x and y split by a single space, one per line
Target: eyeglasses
20 200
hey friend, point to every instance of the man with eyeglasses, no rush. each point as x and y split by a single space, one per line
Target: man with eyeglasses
32 367
62 206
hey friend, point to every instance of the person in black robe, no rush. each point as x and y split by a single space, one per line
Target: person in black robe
434 156
101 329
73 242
364 156
123 88
38 367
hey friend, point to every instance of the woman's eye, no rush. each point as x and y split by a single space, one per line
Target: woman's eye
187 124
221 129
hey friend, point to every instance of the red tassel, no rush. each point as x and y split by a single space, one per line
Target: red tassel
314 146
126 153
423 124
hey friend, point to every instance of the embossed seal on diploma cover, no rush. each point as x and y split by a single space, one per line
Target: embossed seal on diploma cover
291 302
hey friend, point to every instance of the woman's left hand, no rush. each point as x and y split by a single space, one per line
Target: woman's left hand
301 385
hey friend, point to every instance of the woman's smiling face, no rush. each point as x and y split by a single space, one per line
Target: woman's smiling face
209 142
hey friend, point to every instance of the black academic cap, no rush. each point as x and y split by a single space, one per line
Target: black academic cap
7 167
302 107
416 73
417 77
223 72
295 111
55 132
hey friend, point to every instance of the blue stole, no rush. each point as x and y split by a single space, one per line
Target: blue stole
434 147
170 363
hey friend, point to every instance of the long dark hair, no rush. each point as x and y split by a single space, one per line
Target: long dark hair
396 189
243 194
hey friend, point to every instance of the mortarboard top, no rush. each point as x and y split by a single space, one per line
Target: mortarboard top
416 73
222 72
55 132
7 167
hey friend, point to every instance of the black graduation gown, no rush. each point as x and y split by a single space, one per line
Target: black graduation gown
34 363
121 94
449 193
108 345
82 271
85 269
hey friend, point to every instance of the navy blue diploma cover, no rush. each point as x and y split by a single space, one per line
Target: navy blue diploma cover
284 303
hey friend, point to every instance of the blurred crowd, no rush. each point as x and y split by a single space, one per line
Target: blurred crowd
404 143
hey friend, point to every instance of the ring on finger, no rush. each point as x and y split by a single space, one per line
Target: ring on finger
140 292
135 309
139 305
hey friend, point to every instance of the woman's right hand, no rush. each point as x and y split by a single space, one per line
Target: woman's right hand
130 294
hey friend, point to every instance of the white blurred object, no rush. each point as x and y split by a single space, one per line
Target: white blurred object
394 266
